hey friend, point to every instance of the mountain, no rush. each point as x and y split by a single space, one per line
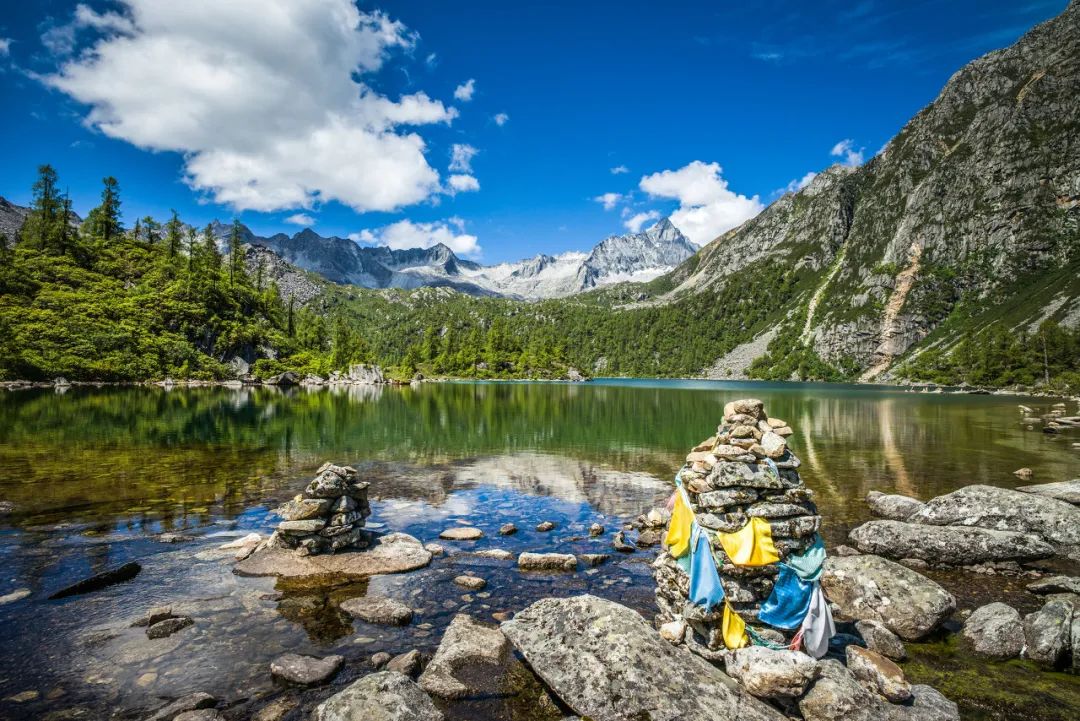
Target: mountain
636 256
969 219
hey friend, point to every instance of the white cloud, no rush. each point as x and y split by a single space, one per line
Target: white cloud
619 170
609 200
275 117
301 219
845 149
707 208
463 184
432 60
796 185
461 156
634 223
5 46
500 119
464 92
407 234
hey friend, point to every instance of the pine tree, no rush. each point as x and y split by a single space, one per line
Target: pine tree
173 234
104 221
43 226
236 255
290 326
152 229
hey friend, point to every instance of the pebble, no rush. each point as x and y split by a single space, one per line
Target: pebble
507 529
545 526
16 595
474 583
380 659
596 530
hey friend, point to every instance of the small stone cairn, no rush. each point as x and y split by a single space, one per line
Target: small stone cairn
328 516
728 479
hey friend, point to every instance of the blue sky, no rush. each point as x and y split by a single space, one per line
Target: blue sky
580 120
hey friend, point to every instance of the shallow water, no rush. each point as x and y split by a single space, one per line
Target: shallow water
97 474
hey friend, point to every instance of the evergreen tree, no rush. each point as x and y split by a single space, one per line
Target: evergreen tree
103 222
43 226
173 234
236 255
290 327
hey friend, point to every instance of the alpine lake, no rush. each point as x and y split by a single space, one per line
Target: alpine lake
102 476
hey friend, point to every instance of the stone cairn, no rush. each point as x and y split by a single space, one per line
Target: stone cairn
328 516
729 479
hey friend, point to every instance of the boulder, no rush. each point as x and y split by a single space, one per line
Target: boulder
768 673
462 533
1047 632
191 702
947 545
995 630
1068 491
929 704
203 714
407 663
392 553
893 506
547 562
873 588
1005 510
377 609
607 664
464 643
382 696
305 670
1055 584
837 696
288 378
878 674
880 639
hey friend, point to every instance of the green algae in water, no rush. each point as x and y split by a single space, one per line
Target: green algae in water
993 690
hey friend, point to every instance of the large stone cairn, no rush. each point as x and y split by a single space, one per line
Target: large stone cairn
328 516
728 480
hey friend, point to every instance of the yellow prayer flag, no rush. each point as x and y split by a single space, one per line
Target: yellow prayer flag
752 545
734 629
680 527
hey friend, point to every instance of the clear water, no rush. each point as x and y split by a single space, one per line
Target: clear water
96 475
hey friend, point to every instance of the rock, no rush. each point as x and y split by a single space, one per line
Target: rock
1047 633
169 626
465 642
766 673
407 663
251 539
1023 473
951 545
499 554
607 664
930 705
873 588
648 538
382 696
462 533
995 630
618 542
191 702
435 549
473 583
773 444
206 714
838 696
277 709
302 527
392 553
893 506
880 639
1068 491
1055 584
547 562
288 378
303 509
673 631
380 659
99 581
1001 509
24 696
507 529
878 674
545 526
594 559
17 595
305 670
377 609
596 530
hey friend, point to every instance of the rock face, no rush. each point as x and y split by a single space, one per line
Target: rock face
995 630
607 664
465 642
392 553
745 470
1001 509
947 545
382 696
1068 491
767 673
327 517
870 587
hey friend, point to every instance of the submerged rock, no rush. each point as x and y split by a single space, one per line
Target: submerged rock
547 562
768 673
168 626
392 553
191 702
948 545
99 581
1001 509
377 609
870 587
607 664
465 642
382 696
995 630
305 670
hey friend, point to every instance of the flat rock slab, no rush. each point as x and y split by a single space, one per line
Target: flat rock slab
393 553
382 696
952 545
377 609
1004 510
1068 491
305 670
877 589
462 533
606 663
465 643
1055 584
